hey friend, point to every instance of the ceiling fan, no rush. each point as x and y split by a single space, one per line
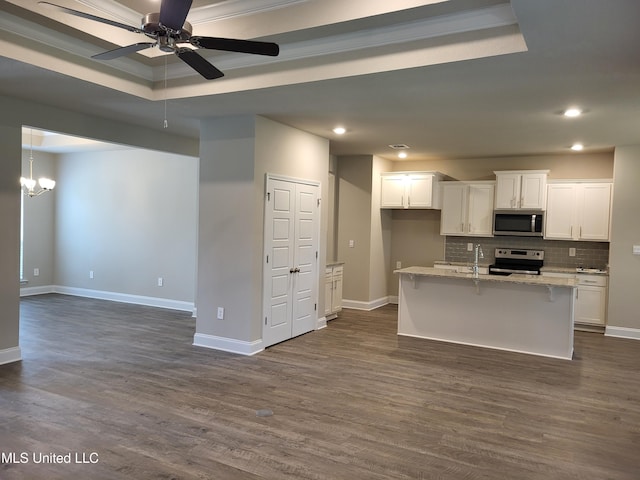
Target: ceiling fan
169 29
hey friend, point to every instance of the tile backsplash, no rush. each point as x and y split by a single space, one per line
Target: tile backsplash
556 252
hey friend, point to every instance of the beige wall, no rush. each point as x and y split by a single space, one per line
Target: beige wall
40 222
380 253
10 139
58 120
415 240
236 154
569 166
624 277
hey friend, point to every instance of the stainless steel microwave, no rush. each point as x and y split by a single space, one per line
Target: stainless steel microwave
522 223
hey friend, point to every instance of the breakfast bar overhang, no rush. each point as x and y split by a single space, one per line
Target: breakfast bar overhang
521 313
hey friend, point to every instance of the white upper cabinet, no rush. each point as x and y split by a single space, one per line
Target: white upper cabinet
467 208
410 190
578 211
521 189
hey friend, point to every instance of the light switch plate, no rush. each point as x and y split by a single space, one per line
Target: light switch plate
572 252
636 249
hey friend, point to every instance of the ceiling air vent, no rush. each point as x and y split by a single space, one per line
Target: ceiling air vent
399 146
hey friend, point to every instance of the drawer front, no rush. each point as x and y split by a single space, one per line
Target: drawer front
593 280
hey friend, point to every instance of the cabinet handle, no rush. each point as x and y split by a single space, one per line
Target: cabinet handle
409 200
589 281
462 227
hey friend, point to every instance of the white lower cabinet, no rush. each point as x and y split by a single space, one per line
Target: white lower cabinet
591 300
590 308
333 291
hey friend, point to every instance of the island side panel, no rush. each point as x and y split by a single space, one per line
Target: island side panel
501 315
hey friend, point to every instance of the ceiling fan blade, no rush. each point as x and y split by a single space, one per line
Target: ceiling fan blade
198 63
122 51
233 45
173 13
88 16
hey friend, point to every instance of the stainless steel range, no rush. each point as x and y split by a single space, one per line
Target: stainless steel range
512 260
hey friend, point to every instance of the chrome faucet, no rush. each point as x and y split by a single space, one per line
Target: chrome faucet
478 255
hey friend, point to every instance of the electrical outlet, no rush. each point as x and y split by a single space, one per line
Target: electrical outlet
36 272
220 313
91 274
352 243
398 264
160 281
572 252
469 247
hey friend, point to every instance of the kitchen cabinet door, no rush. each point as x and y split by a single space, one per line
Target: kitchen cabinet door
454 208
590 305
480 210
594 206
533 188
521 189
507 190
420 191
578 211
392 194
467 209
560 213
336 297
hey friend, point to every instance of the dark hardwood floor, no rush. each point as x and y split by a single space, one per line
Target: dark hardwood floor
352 401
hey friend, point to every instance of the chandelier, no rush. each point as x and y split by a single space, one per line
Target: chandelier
29 184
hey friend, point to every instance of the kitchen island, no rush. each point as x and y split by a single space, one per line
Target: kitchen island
521 313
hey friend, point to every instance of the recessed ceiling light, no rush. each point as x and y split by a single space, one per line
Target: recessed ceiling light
339 130
572 112
576 147
402 154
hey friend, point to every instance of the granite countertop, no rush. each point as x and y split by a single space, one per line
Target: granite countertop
548 269
513 278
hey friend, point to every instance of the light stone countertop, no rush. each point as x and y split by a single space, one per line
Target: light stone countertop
513 278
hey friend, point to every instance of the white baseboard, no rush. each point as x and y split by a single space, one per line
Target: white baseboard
227 344
393 299
112 296
28 291
321 323
10 355
358 305
622 332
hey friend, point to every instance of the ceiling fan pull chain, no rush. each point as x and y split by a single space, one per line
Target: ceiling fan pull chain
166 123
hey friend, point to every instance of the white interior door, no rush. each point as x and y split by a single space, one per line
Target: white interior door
291 264
305 278
279 234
